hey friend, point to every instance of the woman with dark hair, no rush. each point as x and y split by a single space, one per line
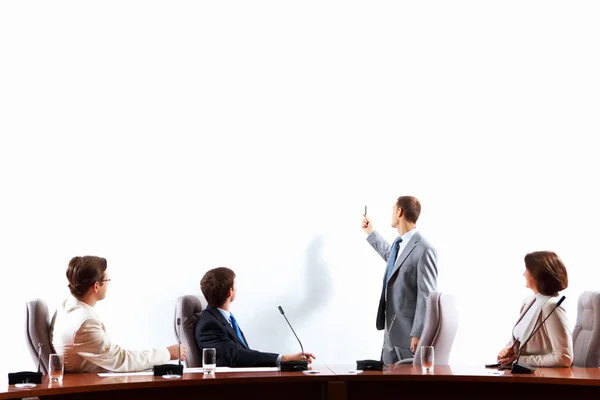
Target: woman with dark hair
552 345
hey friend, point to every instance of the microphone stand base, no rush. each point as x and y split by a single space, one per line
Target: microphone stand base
291 366
521 369
167 369
369 365
24 377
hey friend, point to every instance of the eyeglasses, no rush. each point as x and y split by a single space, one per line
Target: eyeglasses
104 280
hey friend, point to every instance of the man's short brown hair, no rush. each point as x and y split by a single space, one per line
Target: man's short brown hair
215 285
411 207
83 272
548 271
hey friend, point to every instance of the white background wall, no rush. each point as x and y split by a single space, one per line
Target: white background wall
174 137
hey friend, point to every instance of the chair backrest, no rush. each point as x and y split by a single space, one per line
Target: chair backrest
440 326
37 330
586 335
189 308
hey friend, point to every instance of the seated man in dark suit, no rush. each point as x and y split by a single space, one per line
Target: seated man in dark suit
218 328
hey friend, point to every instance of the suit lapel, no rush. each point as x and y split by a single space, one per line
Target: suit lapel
525 309
534 320
217 314
523 312
410 246
244 336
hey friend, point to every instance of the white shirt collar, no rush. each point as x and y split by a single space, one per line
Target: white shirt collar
408 235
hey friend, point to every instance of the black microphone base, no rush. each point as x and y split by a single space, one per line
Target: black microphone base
521 369
167 369
24 377
291 366
369 365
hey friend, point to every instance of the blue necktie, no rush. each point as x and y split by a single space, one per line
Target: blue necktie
237 330
392 259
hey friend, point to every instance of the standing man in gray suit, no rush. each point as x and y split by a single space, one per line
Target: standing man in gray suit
410 276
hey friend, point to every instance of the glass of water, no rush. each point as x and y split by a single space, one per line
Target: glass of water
209 360
56 368
427 359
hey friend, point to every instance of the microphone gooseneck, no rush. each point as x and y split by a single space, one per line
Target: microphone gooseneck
290 325
39 356
179 340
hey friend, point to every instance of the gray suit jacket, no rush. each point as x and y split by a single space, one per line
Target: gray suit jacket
414 276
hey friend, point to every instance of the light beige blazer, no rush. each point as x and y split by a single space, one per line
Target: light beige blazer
552 345
80 336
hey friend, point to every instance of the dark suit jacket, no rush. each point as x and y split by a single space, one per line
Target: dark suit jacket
213 330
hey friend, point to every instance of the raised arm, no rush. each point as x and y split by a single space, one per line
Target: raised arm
381 246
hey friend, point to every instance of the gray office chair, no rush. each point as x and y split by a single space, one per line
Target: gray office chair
586 335
189 308
37 330
439 330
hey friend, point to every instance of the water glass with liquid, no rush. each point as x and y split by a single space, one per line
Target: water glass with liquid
56 368
209 360
427 359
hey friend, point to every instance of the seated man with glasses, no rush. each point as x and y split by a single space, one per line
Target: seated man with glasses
78 334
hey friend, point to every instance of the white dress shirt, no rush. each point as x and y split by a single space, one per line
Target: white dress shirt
526 324
405 239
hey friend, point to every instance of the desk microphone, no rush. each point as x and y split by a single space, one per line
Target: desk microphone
524 368
39 357
179 340
27 378
171 370
293 365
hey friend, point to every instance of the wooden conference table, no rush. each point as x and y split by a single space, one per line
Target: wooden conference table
333 382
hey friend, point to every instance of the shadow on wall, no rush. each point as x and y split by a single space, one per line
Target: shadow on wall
318 290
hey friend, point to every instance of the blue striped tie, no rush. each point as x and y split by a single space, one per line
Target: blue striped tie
237 330
392 259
